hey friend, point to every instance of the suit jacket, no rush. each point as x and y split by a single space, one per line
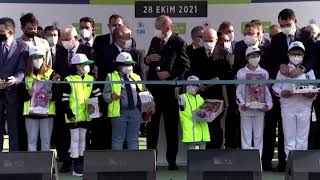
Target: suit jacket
207 68
279 51
62 65
107 56
14 64
103 41
174 58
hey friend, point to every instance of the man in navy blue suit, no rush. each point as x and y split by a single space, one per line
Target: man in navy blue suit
13 58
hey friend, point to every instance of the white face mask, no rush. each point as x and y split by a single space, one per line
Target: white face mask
231 36
67 45
209 46
288 30
37 63
296 59
227 45
254 61
249 40
85 33
192 90
158 33
128 45
127 69
86 68
52 40
201 43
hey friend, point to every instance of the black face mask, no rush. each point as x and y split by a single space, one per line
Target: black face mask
3 37
30 34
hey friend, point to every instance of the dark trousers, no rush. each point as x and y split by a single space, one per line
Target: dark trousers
216 134
10 106
272 119
232 122
166 104
61 133
98 136
314 134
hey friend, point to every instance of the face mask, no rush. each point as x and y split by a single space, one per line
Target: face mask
296 59
67 45
249 40
209 45
127 69
288 30
158 33
201 43
231 36
254 61
86 69
3 37
37 63
128 45
30 34
85 33
192 90
227 45
52 40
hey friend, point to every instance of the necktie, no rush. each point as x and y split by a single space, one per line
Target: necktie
129 93
87 44
162 43
123 50
4 49
291 39
70 55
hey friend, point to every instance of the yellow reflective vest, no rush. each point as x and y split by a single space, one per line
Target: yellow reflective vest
193 131
29 81
114 106
80 93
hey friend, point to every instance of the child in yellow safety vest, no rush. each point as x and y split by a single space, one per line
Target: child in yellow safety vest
195 133
75 96
124 104
39 121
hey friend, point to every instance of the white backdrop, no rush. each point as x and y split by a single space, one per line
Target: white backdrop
68 14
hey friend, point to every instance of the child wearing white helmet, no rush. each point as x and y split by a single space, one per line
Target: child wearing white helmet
253 100
194 133
295 107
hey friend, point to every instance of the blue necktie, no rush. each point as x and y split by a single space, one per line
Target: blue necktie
4 49
129 93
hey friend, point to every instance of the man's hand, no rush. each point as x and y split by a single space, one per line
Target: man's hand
264 109
50 96
284 69
286 94
163 75
114 96
153 58
11 80
3 84
56 77
296 72
243 107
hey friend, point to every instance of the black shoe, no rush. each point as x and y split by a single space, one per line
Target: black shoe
173 167
267 167
66 166
282 167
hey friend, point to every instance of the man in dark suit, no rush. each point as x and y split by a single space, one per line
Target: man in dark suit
71 46
167 60
197 42
87 29
13 59
278 60
211 63
252 37
52 34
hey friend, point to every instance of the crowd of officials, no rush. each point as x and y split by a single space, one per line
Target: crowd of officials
56 54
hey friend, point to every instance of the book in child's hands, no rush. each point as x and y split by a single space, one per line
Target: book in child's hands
255 93
40 98
210 110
